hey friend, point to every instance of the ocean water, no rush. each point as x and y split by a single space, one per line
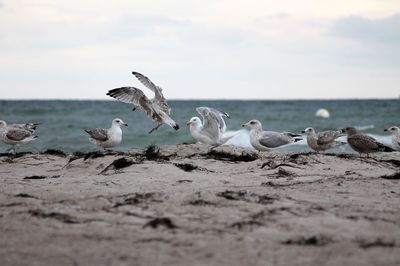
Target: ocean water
62 122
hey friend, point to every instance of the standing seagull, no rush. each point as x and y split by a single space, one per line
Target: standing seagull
267 140
395 132
362 143
107 138
323 140
14 135
211 130
157 108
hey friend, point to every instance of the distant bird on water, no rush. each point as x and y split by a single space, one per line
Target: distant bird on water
362 143
16 134
395 132
107 138
267 140
157 108
211 129
323 140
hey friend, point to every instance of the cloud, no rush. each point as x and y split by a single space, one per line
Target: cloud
386 30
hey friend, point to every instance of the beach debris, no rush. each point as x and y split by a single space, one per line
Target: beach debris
230 156
118 164
138 198
160 222
378 242
233 195
393 176
65 218
152 153
55 152
315 240
41 177
322 113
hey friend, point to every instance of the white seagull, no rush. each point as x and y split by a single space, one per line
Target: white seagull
211 130
267 140
157 108
15 135
107 138
395 132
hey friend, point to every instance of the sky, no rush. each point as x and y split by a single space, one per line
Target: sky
201 49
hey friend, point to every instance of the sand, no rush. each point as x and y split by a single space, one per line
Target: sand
190 205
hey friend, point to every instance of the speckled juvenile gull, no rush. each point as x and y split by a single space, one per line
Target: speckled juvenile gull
211 130
395 132
323 140
27 126
362 143
15 135
157 108
107 138
267 140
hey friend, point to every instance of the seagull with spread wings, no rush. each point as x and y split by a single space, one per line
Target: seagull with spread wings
156 108
211 130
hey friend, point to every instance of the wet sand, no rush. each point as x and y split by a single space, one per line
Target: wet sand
189 205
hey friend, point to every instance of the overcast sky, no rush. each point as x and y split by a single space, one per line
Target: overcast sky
206 49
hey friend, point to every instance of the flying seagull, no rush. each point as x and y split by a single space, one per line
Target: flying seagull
395 132
107 138
211 129
14 135
323 140
157 108
362 143
267 140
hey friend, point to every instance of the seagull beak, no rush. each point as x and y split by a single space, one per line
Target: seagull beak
343 130
188 122
243 125
125 124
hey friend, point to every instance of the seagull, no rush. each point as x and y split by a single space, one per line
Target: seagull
15 135
395 132
211 130
362 143
267 140
323 140
31 127
107 138
157 108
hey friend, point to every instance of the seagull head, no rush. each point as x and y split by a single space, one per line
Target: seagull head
253 124
3 123
118 122
194 122
392 130
308 131
349 130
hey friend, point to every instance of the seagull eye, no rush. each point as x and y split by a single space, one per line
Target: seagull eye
252 122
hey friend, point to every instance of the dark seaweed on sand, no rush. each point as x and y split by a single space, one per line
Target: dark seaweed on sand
232 157
161 221
55 152
152 153
119 164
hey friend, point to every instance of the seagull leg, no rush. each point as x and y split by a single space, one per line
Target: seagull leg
151 131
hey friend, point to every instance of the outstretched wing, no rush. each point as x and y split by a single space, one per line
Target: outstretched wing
210 123
18 134
99 134
218 114
136 97
327 137
158 95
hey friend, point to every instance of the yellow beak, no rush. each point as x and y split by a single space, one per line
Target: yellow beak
189 122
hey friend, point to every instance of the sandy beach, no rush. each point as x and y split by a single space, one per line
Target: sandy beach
190 205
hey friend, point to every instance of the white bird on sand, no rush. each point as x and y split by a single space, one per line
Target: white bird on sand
15 135
107 138
157 108
322 141
267 140
395 132
211 130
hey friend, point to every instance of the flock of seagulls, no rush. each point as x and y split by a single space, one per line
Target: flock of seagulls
210 130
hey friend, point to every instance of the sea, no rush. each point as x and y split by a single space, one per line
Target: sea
62 121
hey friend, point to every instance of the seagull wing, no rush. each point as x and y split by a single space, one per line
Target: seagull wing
218 114
271 139
18 134
326 137
136 97
158 95
210 123
99 134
